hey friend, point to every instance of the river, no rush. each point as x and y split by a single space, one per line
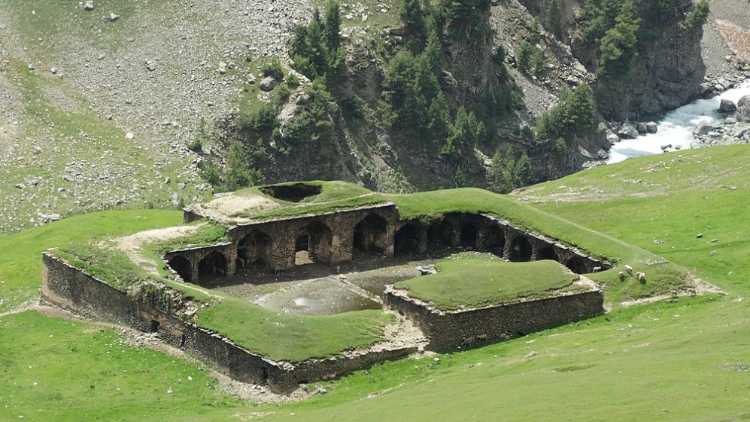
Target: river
677 126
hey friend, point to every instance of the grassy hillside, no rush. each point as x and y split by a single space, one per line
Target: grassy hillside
681 360
20 260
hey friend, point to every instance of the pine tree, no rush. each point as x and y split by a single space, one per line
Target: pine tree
553 17
412 17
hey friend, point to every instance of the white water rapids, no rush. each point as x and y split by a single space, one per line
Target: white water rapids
677 126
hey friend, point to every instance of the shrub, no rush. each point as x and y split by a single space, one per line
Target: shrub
697 17
572 116
273 69
314 48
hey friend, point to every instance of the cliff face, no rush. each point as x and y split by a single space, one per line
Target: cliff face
667 73
480 72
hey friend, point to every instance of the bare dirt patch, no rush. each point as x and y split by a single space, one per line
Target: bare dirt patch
227 207
132 245
737 38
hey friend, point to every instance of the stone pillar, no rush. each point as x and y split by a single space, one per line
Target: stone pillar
510 237
231 254
389 240
342 241
422 240
195 268
282 250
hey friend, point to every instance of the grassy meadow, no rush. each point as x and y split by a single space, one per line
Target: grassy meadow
683 359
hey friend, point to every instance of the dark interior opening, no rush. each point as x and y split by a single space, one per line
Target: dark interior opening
369 235
313 244
469 236
213 265
407 240
440 234
494 241
546 252
153 326
295 192
578 265
182 267
253 251
520 250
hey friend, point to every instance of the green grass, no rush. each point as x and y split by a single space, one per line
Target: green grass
664 277
473 280
107 264
289 337
61 370
20 260
51 21
334 196
682 360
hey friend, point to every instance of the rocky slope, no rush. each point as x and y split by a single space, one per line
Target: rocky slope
97 107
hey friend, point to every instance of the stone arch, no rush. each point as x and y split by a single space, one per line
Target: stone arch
440 234
578 264
407 240
546 251
313 244
182 266
520 249
254 251
212 265
494 240
370 235
469 235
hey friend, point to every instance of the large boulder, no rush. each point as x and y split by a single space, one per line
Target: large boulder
628 131
727 106
743 109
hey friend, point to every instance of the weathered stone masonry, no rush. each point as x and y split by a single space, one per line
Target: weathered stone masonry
330 238
457 330
487 233
71 288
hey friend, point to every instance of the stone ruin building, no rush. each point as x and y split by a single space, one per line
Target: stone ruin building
331 239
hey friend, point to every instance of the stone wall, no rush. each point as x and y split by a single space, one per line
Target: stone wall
451 331
70 288
484 232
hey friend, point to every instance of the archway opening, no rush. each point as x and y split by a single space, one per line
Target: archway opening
407 240
182 267
370 235
313 244
469 236
212 266
494 240
440 235
254 251
578 265
520 249
546 252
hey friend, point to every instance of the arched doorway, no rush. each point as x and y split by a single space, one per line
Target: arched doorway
254 251
212 266
546 252
469 236
407 240
313 244
440 235
578 265
370 235
182 267
520 249
494 240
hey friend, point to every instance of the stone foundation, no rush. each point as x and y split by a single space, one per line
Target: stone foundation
73 289
459 330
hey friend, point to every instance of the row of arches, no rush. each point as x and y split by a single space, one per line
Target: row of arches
313 243
417 239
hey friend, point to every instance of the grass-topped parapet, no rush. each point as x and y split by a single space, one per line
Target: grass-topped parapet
476 299
284 200
475 280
